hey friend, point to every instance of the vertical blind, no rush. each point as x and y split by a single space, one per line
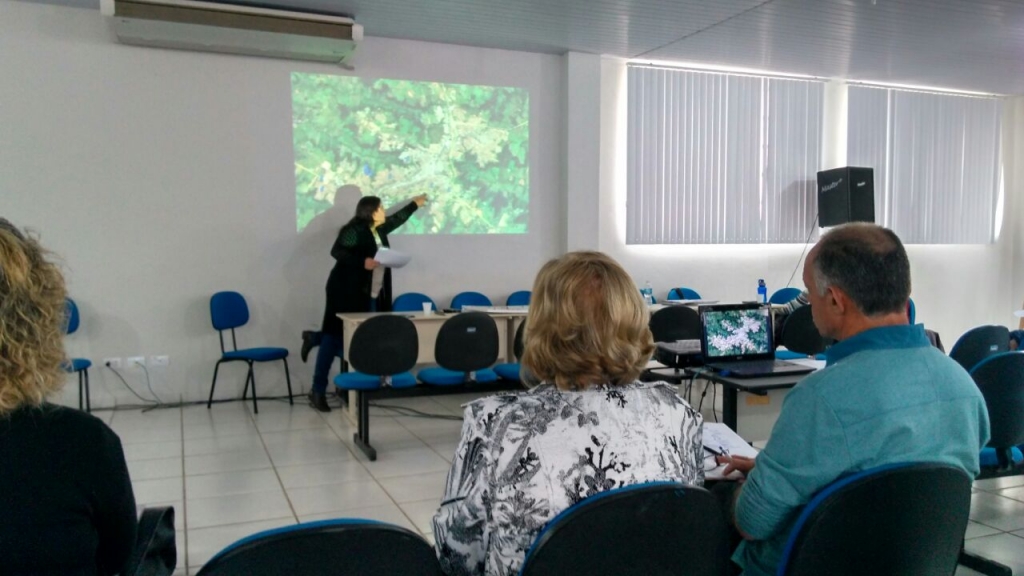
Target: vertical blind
936 159
721 158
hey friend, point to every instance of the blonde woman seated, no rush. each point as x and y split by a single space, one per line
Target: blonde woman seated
66 501
589 427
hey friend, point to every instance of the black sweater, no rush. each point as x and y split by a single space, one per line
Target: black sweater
66 502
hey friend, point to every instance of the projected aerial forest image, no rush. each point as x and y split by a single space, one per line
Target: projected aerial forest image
464 146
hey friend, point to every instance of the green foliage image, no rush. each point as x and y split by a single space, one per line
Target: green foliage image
464 146
739 332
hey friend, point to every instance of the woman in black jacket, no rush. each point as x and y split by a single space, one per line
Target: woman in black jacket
357 282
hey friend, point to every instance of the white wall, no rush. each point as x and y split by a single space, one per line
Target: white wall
163 176
954 287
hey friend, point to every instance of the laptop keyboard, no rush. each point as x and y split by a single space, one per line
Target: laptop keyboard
755 366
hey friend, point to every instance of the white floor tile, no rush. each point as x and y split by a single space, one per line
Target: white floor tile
995 484
204 543
152 450
431 428
415 488
323 450
233 412
295 419
179 546
392 463
323 473
251 459
218 428
334 497
1015 493
136 434
389 513
154 469
422 513
998 512
237 508
445 448
221 444
429 538
1005 548
160 490
227 483
1019 533
975 530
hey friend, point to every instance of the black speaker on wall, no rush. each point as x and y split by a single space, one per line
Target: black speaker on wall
846 195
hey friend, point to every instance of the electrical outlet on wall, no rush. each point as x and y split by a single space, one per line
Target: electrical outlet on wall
133 361
112 362
159 360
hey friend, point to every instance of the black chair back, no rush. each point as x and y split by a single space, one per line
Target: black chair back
891 520
384 346
327 548
650 529
467 342
517 344
1001 381
980 343
674 323
800 335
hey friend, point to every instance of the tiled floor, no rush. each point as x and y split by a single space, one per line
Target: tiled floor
230 473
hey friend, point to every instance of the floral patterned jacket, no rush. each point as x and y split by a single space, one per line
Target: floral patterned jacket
525 457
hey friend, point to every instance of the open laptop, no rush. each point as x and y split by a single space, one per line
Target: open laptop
736 339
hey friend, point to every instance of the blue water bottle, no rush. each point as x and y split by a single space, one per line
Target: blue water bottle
762 291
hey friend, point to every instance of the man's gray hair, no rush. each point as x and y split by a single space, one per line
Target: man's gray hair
868 263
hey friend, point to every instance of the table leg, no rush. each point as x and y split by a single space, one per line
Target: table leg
510 336
728 406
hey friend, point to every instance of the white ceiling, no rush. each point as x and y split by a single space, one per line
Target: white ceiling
966 44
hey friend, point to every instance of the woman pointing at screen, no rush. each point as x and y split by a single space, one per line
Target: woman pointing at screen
357 283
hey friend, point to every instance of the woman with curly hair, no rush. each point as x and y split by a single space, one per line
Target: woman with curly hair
65 497
590 426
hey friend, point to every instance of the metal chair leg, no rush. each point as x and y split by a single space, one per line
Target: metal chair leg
983 565
213 384
79 389
88 402
362 437
288 379
252 378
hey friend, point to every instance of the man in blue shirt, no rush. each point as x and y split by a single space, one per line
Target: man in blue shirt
885 395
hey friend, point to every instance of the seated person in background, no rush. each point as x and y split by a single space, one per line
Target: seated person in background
1016 336
589 427
66 502
885 395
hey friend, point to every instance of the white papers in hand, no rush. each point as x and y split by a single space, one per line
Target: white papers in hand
391 258
719 437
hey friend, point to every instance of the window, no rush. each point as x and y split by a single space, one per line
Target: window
721 158
936 159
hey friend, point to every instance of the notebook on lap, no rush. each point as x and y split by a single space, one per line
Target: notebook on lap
736 340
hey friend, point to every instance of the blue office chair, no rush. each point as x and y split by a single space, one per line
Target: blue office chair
228 311
1001 381
784 295
669 325
466 345
911 311
469 299
896 519
383 350
653 528
519 298
78 366
683 294
412 302
510 370
978 344
345 546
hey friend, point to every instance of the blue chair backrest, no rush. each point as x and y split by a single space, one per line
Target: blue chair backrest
896 519
470 299
519 298
784 295
1000 379
978 344
329 547
72 316
911 311
683 294
412 302
228 310
653 528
